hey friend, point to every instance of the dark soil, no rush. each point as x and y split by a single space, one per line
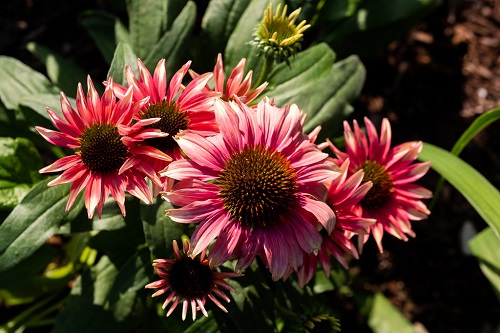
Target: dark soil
431 85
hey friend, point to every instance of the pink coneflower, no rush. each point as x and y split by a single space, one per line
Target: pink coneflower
394 199
190 280
236 85
95 133
178 109
257 187
343 194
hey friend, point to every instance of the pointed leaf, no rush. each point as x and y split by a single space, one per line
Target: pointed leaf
238 43
385 318
173 42
124 55
19 165
477 126
33 221
219 21
480 193
146 23
106 30
486 247
19 80
65 74
87 298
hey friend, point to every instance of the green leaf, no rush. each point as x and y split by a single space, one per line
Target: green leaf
173 42
33 221
146 23
477 126
340 84
480 193
344 85
204 324
19 80
238 43
104 298
111 219
130 280
486 247
252 305
87 298
65 74
106 30
219 21
124 55
385 318
19 165
160 230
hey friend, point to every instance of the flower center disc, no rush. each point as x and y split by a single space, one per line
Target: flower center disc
190 278
101 148
257 186
172 122
282 27
382 188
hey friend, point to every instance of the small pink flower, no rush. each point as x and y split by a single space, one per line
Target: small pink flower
236 85
394 199
257 188
343 194
176 107
190 280
96 133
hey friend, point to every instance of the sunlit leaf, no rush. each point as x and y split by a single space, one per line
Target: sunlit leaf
486 248
33 221
64 73
19 165
385 318
19 80
480 193
124 55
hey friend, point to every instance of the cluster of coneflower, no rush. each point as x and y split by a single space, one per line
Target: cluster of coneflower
244 171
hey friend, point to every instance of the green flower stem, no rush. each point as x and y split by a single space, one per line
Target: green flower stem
266 69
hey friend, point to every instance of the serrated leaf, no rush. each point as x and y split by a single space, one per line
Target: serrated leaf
160 230
19 81
385 318
106 30
173 42
146 23
486 248
33 221
19 165
478 191
124 55
65 74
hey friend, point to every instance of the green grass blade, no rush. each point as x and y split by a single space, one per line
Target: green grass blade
480 193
